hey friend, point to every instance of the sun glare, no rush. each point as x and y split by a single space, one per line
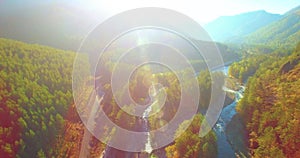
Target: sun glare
201 11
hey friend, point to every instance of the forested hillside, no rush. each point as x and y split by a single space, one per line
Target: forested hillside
35 93
189 144
38 117
253 58
284 32
270 108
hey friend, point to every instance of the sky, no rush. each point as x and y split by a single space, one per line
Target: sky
203 11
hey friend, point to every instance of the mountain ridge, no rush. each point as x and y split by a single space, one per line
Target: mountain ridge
239 25
283 32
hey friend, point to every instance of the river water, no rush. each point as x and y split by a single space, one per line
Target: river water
225 149
148 146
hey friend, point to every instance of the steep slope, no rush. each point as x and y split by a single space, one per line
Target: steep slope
285 31
270 106
228 27
35 92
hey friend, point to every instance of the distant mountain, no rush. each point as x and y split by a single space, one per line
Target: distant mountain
285 31
229 27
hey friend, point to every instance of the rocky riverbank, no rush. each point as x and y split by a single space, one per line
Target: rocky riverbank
233 84
237 136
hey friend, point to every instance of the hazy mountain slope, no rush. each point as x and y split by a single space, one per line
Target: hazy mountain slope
285 31
55 25
228 27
